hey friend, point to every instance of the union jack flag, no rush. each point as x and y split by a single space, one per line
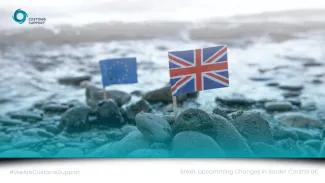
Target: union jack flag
197 70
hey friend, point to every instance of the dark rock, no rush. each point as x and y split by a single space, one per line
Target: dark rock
312 64
290 94
291 86
55 108
217 127
75 119
137 93
254 127
284 133
298 119
278 106
260 78
5 121
95 95
108 114
192 120
235 100
229 139
164 95
272 83
26 116
74 80
195 144
133 109
223 111
153 127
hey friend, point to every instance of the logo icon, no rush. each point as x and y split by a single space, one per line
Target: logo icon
20 16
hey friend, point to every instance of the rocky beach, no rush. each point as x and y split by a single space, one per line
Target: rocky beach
52 103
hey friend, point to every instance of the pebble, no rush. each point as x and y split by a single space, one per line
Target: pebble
153 127
75 119
235 100
109 114
298 119
55 108
5 121
133 109
291 86
27 116
194 144
229 139
164 95
254 127
94 95
278 106
74 80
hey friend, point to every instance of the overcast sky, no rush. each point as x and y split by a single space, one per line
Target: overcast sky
90 11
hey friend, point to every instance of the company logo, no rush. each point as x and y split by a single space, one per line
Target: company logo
20 16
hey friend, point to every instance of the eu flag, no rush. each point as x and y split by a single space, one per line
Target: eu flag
118 71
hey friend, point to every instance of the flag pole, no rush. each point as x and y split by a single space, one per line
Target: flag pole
174 104
104 93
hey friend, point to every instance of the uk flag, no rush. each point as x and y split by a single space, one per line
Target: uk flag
197 70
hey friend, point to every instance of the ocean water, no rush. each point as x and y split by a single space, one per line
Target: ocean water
29 73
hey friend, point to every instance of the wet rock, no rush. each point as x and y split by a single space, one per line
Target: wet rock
149 153
109 114
30 116
272 83
193 120
229 139
317 81
133 109
69 152
321 153
133 141
290 94
312 64
254 127
235 100
5 121
74 80
95 95
164 95
260 78
289 148
291 86
298 119
4 138
126 129
153 127
278 106
76 119
314 143
195 144
284 133
55 108
308 106
223 111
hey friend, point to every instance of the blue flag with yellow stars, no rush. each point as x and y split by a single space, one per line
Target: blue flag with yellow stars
118 71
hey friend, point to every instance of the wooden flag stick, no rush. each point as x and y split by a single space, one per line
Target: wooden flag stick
104 93
174 104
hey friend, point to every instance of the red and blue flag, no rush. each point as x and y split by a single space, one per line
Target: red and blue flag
199 69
